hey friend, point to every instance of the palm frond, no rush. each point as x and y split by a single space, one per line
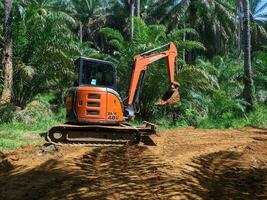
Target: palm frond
189 45
111 34
61 17
27 70
180 32
157 32
194 78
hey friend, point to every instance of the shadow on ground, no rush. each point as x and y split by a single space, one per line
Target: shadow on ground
135 173
219 176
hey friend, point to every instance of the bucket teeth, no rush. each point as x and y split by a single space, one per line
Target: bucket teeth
171 97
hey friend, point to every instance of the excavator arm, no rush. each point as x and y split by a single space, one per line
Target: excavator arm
141 63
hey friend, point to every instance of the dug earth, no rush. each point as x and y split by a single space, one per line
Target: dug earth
186 164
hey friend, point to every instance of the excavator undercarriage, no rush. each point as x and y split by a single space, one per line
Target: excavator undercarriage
101 135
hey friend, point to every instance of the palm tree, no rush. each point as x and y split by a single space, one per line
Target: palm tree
7 51
213 19
45 47
120 14
2 9
138 8
83 11
135 6
248 82
258 15
132 5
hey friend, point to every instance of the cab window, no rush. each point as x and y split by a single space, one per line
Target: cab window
97 74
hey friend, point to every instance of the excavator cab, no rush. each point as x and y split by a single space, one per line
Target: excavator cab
96 73
94 99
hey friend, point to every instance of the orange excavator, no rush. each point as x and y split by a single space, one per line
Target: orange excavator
96 114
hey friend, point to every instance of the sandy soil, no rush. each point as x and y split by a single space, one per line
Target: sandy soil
185 164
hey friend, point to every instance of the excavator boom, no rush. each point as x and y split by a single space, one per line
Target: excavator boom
141 63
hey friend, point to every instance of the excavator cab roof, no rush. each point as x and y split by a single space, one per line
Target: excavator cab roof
94 72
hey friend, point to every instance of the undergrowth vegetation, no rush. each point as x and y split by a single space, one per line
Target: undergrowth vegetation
27 126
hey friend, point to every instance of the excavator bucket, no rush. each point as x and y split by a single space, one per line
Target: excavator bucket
171 97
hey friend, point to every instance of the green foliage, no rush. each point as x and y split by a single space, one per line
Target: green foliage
260 74
164 124
14 135
38 110
113 38
44 47
221 104
1 12
33 112
190 112
226 109
112 34
258 118
214 20
196 78
1 46
19 127
230 120
1 82
6 113
83 10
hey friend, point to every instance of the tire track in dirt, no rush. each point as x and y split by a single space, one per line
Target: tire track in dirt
129 172
186 164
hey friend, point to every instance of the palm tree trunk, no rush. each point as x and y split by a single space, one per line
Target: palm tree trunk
184 38
132 20
248 91
81 32
7 52
138 8
240 27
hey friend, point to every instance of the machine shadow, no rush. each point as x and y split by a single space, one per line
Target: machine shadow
135 173
101 173
219 176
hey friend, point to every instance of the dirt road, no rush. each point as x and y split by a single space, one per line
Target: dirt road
185 164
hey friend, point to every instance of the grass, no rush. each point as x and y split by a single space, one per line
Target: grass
15 135
257 119
165 124
14 138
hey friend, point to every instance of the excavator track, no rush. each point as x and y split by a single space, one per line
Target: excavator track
98 135
86 144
